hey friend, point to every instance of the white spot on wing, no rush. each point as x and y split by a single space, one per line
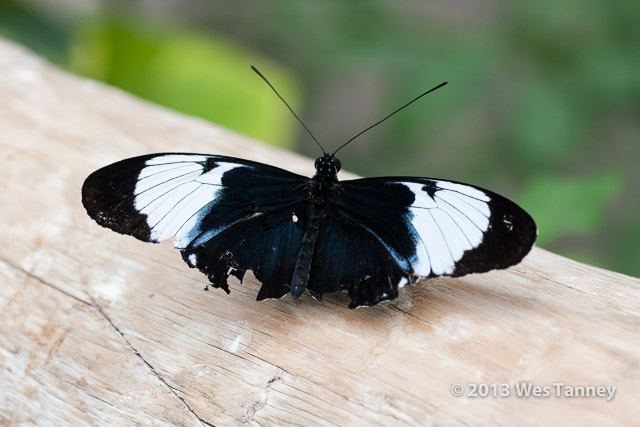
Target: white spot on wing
429 235
164 215
193 259
481 221
447 225
161 191
173 192
454 237
469 229
164 174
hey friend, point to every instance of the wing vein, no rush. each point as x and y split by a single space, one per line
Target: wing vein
176 204
469 204
456 222
164 182
159 172
463 214
444 238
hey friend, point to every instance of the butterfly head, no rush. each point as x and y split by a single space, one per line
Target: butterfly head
327 165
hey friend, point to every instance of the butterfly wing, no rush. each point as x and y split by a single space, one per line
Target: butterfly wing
349 257
401 229
266 244
227 215
378 234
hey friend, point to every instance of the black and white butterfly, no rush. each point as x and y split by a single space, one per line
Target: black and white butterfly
368 236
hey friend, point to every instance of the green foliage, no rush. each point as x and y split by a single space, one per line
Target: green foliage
555 132
624 248
18 22
565 206
190 72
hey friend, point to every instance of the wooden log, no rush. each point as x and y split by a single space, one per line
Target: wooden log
101 328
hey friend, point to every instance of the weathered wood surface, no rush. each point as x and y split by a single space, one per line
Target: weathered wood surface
101 328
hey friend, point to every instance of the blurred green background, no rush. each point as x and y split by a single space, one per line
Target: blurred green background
543 104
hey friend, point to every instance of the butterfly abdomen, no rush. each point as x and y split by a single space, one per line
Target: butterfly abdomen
302 267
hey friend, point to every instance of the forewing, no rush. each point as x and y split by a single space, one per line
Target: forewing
227 215
191 197
438 228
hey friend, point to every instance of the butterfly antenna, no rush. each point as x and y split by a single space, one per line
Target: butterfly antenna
290 109
382 120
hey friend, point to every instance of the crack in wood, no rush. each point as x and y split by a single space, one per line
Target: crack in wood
42 281
413 316
135 351
96 307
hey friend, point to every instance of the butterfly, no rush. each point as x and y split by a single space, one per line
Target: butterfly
369 236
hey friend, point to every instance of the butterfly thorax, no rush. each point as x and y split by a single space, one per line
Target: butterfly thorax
327 168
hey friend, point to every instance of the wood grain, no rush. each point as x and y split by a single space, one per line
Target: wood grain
101 328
